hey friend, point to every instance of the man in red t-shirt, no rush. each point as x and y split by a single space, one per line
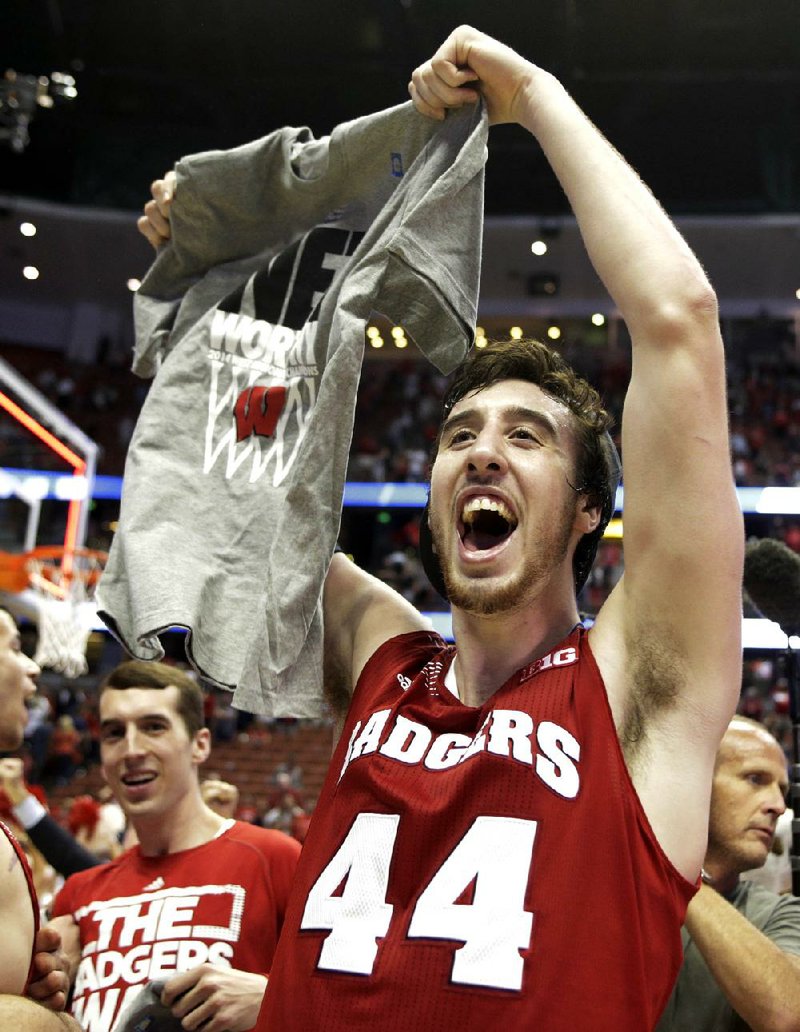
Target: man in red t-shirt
197 906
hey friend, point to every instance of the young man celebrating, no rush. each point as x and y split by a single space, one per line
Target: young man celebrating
28 955
741 966
519 822
199 903
512 828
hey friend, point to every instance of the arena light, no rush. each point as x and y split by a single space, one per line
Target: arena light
74 488
399 337
779 500
539 247
765 634
30 272
34 489
598 319
756 634
614 530
515 333
27 229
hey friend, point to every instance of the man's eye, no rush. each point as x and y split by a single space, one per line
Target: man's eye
461 437
523 433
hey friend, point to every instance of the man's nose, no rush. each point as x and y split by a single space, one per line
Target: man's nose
32 671
133 741
486 454
776 801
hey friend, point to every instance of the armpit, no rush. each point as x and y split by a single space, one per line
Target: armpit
335 685
656 679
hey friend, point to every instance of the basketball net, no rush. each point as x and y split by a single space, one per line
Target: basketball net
65 583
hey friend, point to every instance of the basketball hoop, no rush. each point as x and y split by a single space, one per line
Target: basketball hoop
65 582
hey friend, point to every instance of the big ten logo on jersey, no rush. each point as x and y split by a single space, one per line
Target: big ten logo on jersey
263 367
558 658
130 940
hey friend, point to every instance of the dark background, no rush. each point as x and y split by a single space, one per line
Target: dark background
702 96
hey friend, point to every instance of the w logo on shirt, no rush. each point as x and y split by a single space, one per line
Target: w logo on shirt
257 411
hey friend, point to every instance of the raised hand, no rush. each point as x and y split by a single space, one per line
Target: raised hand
154 224
469 64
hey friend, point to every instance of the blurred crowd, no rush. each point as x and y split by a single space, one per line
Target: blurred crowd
398 405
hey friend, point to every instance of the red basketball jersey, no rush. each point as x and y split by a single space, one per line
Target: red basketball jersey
478 868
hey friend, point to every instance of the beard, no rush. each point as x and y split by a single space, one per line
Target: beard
487 596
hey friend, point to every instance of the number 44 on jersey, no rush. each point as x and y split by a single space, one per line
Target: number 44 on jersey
495 853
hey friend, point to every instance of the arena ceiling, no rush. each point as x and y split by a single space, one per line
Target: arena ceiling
703 96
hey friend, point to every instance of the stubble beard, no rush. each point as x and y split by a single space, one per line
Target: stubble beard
736 856
485 596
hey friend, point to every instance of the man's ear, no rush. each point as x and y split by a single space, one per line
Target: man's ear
201 746
589 516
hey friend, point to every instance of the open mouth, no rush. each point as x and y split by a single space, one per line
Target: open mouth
485 523
136 780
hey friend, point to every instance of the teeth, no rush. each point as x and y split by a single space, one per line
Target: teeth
474 505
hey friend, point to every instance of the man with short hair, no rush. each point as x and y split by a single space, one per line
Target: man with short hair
29 956
200 901
741 965
511 829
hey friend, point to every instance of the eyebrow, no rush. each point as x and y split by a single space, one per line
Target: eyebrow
514 414
112 721
756 768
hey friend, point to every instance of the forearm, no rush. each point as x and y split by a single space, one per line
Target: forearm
58 847
760 981
19 1012
647 267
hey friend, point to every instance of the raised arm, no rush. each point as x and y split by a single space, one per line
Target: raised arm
668 639
361 613
57 846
